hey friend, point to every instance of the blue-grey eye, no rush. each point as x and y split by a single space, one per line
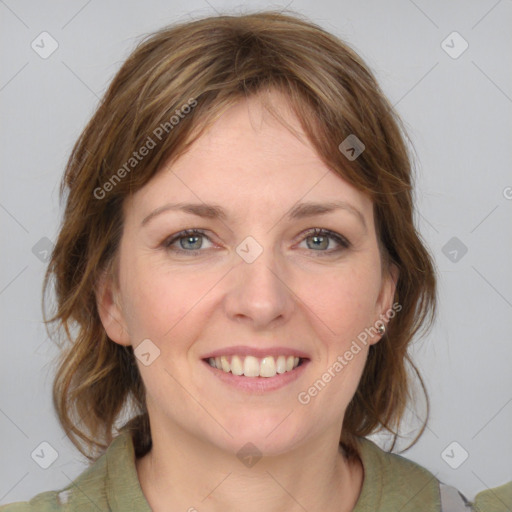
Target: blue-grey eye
190 240
322 238
195 242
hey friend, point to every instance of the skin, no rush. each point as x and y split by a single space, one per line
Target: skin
295 294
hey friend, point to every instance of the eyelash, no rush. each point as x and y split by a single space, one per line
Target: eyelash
340 240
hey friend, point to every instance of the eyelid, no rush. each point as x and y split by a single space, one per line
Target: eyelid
182 234
342 241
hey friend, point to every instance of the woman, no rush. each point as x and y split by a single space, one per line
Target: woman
239 276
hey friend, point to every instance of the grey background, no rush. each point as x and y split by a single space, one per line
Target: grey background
457 111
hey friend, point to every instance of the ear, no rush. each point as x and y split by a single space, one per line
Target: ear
384 303
110 309
387 292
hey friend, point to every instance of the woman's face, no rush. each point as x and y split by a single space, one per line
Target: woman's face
256 281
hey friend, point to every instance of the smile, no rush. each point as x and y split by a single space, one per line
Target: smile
250 366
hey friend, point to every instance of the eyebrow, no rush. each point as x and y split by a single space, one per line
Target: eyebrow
299 211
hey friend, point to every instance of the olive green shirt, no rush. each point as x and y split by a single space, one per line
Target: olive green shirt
391 483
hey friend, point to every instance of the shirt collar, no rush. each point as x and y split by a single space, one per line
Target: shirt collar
125 493
123 487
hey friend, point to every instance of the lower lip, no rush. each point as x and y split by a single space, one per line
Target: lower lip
258 384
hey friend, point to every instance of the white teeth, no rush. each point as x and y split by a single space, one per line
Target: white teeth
224 363
236 366
251 366
281 364
268 367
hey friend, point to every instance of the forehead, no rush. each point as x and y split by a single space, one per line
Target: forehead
250 159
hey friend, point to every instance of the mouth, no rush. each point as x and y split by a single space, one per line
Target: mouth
256 370
253 367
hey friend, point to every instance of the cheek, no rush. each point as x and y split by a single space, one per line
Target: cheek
345 300
343 306
159 303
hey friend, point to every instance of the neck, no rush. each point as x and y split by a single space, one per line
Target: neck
184 473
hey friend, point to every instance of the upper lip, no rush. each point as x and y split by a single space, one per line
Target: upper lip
259 352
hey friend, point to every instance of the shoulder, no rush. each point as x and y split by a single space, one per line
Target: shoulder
87 492
387 460
393 471
393 482
498 499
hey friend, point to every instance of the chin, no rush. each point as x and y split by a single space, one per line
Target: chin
269 434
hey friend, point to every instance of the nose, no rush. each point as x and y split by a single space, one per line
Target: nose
260 293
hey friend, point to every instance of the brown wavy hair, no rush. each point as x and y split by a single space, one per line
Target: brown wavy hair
213 63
